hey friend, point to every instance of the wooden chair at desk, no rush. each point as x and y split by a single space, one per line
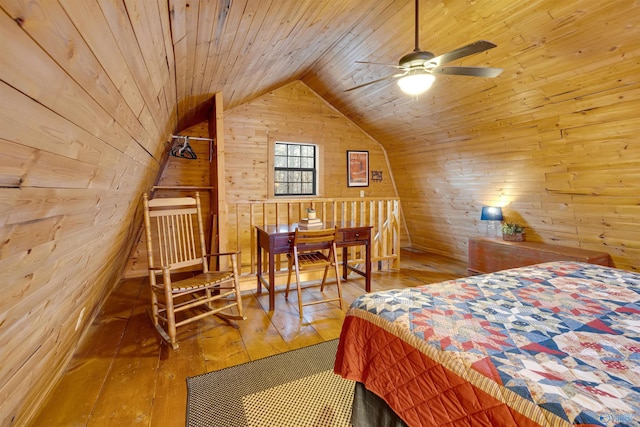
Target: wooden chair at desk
309 253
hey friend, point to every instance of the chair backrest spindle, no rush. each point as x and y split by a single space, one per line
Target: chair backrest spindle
175 237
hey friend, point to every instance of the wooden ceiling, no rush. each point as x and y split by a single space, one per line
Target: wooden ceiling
245 48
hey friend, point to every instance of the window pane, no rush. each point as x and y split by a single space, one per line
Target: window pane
295 176
306 163
307 150
293 150
307 176
295 169
280 161
307 188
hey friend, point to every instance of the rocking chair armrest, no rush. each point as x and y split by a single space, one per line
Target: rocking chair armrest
159 270
222 254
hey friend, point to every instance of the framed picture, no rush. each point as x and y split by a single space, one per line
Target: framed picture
357 168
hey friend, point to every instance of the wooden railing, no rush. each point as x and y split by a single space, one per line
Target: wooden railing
383 214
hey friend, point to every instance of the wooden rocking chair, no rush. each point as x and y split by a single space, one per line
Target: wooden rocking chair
175 244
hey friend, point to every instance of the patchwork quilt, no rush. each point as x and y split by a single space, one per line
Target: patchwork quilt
552 344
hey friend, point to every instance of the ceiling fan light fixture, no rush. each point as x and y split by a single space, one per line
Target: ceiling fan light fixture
416 83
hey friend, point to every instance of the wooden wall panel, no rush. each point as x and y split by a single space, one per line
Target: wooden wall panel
294 113
569 175
82 130
553 139
176 172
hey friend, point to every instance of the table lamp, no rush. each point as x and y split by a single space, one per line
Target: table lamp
493 215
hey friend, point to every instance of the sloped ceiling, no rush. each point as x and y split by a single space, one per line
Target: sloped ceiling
244 48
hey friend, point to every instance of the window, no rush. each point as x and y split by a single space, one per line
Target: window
295 169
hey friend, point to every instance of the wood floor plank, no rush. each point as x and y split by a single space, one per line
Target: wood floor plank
170 391
260 336
127 395
123 375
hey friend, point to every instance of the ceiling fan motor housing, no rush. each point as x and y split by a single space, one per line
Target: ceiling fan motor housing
417 58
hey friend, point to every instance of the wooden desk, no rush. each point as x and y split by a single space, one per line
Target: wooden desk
488 255
278 239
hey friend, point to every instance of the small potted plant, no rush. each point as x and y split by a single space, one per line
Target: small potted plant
512 232
311 213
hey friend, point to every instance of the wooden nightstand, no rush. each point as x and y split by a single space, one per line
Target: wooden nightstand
487 255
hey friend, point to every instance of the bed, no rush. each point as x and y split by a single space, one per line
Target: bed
552 344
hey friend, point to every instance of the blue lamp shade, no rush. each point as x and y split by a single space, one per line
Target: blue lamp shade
491 213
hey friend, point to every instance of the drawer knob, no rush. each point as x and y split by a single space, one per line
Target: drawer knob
357 235
289 241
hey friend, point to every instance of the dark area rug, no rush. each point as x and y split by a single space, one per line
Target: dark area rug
296 388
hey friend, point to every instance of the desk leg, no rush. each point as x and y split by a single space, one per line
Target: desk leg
345 270
367 277
272 282
259 269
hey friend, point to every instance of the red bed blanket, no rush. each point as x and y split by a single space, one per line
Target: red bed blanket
552 344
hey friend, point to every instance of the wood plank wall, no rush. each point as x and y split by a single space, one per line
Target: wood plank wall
295 113
177 172
82 125
292 113
554 141
569 186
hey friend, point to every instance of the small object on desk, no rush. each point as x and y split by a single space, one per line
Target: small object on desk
310 221
310 225
305 223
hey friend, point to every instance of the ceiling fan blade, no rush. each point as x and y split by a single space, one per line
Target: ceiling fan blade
461 52
468 71
378 63
376 81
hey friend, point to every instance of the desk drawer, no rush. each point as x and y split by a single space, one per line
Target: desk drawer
352 235
283 244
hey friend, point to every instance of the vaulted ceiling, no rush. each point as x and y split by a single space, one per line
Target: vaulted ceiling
245 48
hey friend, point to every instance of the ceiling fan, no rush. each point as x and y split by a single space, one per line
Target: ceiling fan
417 68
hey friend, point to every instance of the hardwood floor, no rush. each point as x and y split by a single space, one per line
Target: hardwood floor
122 375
